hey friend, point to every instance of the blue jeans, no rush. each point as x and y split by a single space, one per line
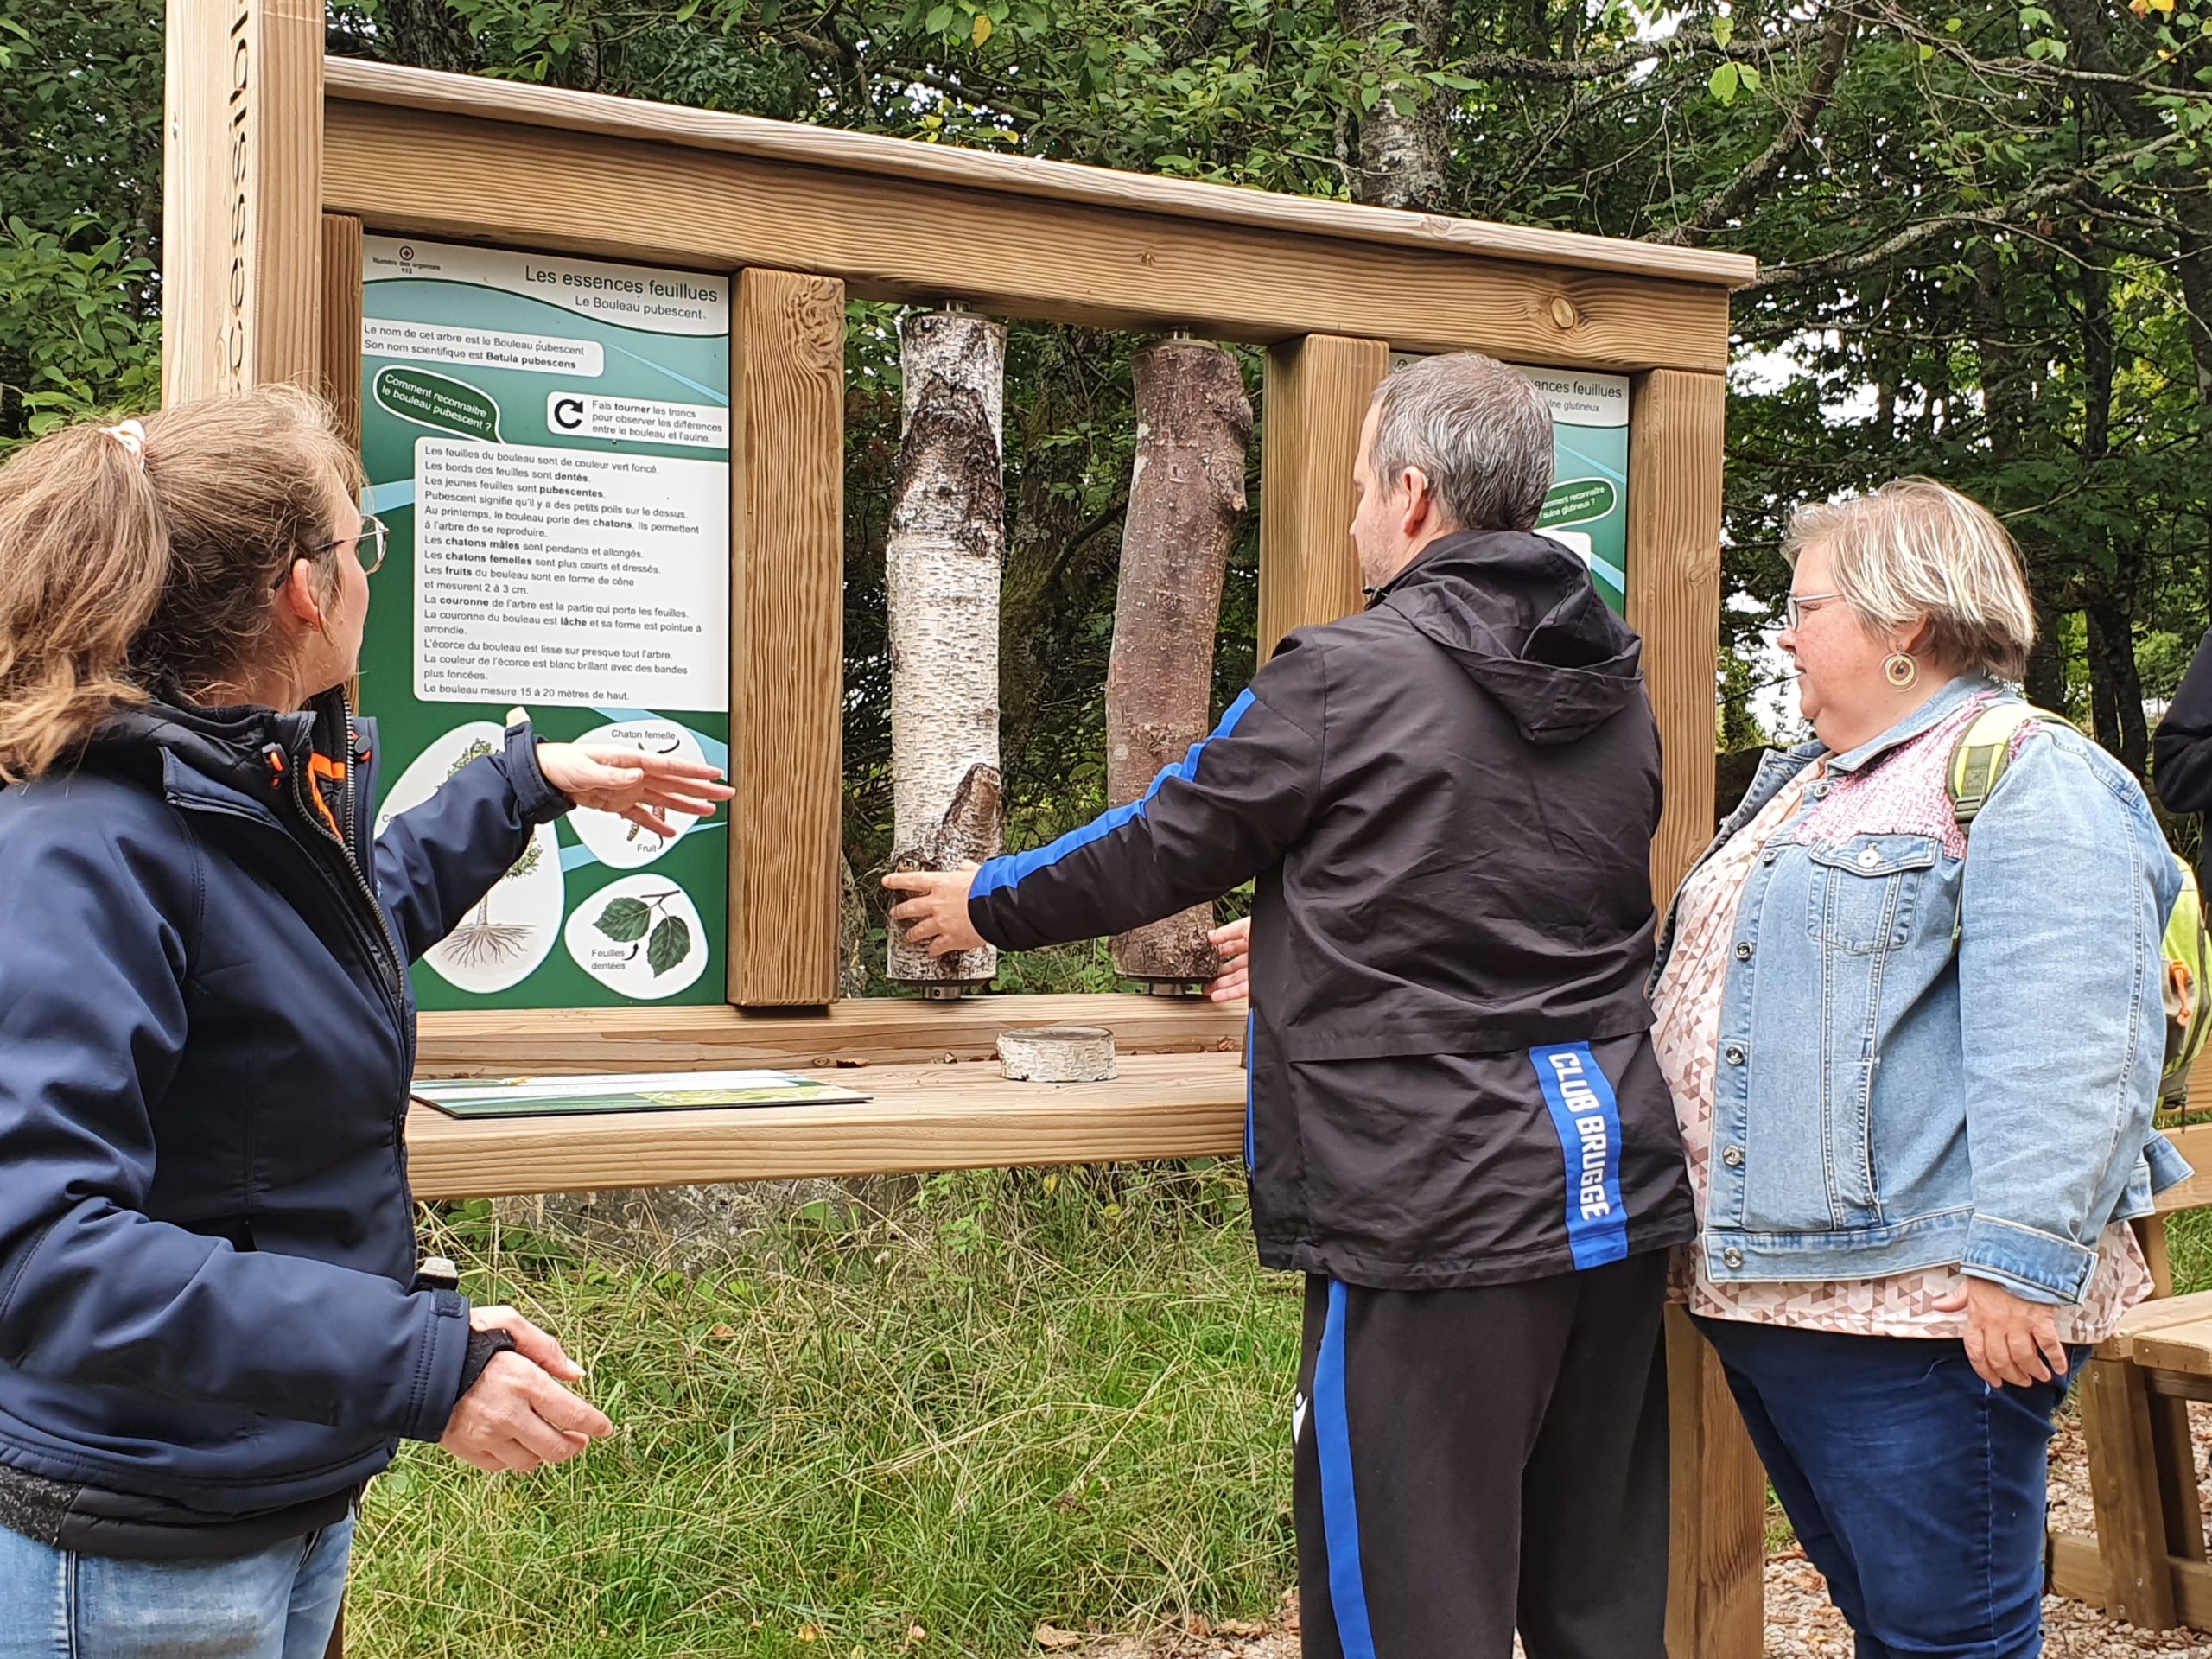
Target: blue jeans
1916 1488
279 1603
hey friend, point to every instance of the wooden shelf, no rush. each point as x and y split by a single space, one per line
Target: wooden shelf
962 1116
871 1031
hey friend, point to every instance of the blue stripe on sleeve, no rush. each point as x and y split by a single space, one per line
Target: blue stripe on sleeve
1339 1509
1588 1120
1012 870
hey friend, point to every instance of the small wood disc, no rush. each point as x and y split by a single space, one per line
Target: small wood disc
1058 1053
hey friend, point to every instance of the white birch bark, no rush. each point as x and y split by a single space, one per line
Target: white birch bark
942 567
1186 498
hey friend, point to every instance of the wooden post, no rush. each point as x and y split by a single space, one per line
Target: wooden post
1716 1591
340 359
1186 498
1716 1601
1315 400
242 196
2123 1483
787 662
1677 421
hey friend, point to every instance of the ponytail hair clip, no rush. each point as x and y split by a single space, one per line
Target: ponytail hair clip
131 435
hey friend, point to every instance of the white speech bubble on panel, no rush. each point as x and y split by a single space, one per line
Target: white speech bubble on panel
511 931
613 840
640 937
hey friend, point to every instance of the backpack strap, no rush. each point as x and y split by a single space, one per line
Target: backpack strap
1982 752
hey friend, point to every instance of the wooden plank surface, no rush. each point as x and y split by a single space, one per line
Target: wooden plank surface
337 362
870 1030
2124 1483
923 1117
787 650
983 172
917 240
1315 397
1716 1605
2076 1571
2195 1144
241 243
1675 431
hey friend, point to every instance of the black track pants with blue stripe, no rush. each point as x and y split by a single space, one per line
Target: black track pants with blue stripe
1469 1460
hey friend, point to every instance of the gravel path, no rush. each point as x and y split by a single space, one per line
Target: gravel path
1800 1622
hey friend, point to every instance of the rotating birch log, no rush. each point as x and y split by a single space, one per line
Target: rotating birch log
1057 1053
1187 494
942 566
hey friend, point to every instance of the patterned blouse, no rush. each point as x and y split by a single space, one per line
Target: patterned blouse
1906 792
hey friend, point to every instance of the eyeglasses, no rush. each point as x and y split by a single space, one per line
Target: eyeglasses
1794 607
369 544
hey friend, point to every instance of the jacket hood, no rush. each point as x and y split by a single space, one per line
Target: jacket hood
1519 615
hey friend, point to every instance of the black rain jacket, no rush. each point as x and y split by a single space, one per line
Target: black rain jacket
1447 803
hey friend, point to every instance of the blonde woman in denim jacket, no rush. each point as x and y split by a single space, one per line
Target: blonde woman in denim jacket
1914 1073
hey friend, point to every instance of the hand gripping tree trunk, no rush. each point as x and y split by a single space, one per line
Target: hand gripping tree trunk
1194 429
942 564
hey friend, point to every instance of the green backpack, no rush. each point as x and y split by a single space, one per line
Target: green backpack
1978 760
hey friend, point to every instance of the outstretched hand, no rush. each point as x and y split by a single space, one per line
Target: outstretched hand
639 787
938 913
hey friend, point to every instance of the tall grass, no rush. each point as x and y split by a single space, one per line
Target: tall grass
990 1400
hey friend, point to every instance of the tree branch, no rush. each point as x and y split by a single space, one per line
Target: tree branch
1723 206
1504 65
2054 187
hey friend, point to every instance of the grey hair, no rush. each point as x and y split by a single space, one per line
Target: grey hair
1479 432
1916 550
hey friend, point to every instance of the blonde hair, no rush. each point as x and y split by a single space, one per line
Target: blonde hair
1915 550
126 566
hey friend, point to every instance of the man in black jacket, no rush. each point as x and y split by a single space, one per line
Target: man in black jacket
1458 1130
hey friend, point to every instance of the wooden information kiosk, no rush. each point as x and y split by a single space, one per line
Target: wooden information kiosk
287 174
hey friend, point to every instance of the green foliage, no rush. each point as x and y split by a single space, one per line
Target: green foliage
81 117
972 1403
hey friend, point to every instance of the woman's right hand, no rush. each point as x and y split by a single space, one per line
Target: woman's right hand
516 1417
1234 941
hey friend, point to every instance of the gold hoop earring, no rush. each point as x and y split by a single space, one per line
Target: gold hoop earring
1899 670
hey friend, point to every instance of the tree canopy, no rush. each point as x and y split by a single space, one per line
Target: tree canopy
1984 231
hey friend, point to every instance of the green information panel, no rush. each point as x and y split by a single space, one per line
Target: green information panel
1587 509
548 440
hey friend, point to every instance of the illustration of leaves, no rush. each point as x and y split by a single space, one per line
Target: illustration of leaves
624 919
670 944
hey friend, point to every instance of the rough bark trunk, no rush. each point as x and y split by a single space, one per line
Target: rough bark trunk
430 35
2007 396
1401 155
2116 686
941 567
1186 493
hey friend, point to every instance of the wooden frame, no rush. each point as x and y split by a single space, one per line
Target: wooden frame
262 283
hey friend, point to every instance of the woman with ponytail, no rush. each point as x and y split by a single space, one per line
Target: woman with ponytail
211 1330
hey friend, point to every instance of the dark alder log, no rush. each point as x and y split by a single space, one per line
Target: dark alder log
1194 429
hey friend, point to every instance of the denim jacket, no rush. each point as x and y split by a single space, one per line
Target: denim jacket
1939 1049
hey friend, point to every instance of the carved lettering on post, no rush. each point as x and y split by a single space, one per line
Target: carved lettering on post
242 238
1187 496
942 567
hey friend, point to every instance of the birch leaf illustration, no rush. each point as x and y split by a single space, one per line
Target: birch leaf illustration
624 919
670 944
